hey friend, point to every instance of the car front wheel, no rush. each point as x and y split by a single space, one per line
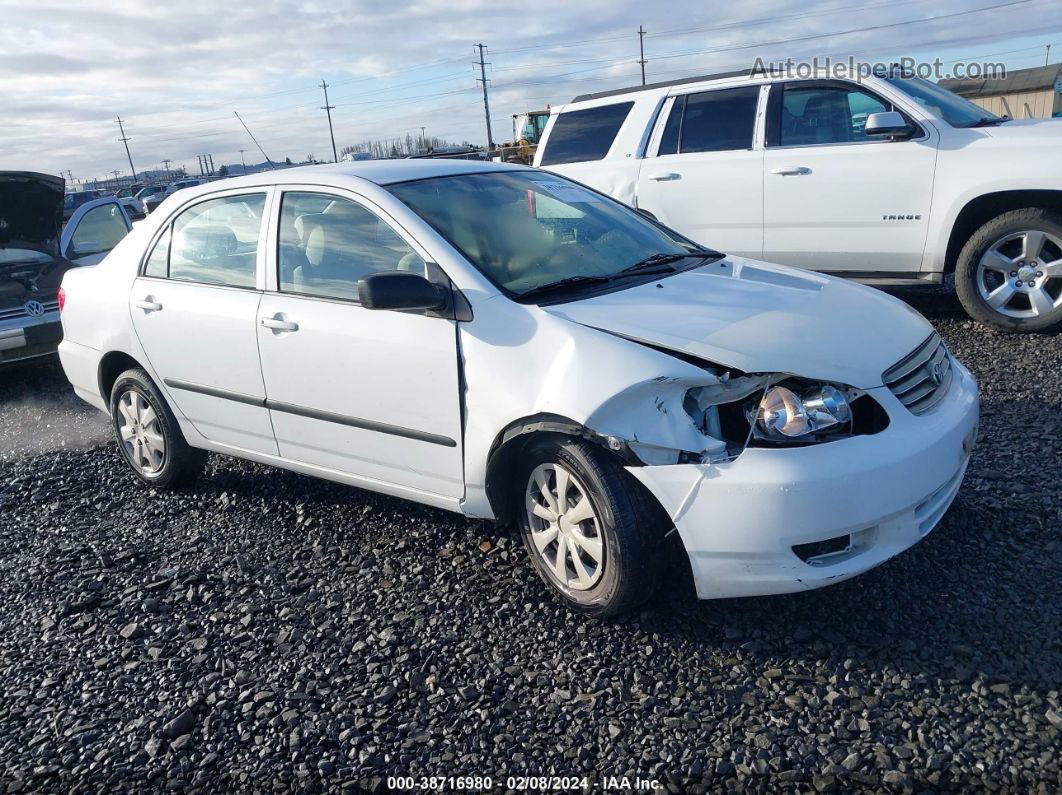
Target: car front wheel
148 435
1009 273
588 526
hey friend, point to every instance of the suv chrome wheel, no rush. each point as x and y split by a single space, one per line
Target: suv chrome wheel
141 433
1020 274
565 530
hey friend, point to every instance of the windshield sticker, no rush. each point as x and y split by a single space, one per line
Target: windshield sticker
566 192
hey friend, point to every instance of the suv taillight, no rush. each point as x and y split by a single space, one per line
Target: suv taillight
62 298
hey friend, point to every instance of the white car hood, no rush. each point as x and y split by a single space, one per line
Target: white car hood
758 317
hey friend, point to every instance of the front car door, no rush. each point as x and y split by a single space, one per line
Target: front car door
836 199
373 394
194 305
93 230
703 172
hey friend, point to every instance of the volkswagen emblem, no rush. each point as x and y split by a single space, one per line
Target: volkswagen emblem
33 308
936 374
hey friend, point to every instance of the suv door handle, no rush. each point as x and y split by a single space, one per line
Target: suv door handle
662 176
278 323
149 304
791 171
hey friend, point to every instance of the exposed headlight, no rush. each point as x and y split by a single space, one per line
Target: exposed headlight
783 414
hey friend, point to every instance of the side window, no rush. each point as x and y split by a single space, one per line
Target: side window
157 264
717 121
99 230
826 115
327 243
582 135
669 141
216 241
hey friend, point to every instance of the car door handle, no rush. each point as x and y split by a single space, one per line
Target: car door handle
791 171
278 323
148 305
663 176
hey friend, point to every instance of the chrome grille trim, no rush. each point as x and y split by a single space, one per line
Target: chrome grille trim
18 311
911 378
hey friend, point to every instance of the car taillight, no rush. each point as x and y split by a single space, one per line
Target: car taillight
62 298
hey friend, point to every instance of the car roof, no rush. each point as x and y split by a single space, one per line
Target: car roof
379 172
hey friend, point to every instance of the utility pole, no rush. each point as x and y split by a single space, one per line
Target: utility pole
243 162
641 51
1047 58
328 109
423 139
125 140
116 172
166 165
260 149
486 105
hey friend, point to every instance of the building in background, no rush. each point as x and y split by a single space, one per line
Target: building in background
1023 94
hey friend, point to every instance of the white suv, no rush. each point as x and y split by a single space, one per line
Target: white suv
507 344
889 180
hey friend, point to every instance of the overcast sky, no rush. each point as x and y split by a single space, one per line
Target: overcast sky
175 72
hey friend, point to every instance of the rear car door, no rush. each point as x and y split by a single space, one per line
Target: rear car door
194 305
836 199
364 392
703 175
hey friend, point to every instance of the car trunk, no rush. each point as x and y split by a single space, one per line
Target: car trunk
31 222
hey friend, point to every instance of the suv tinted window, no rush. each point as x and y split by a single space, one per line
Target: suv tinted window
826 115
582 135
216 241
716 121
327 243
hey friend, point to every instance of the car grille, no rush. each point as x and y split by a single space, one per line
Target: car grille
921 379
20 311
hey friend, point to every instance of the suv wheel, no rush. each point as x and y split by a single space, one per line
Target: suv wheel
1009 273
588 526
148 435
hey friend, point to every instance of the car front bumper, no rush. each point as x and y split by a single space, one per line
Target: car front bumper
857 502
28 338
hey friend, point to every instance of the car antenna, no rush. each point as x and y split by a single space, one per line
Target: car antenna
260 149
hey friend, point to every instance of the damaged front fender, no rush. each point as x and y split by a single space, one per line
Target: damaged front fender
668 419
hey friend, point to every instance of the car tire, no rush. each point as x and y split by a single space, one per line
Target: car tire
997 286
619 524
149 438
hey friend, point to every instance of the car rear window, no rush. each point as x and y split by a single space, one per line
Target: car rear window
581 135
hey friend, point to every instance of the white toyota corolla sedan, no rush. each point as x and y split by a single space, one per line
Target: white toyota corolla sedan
508 344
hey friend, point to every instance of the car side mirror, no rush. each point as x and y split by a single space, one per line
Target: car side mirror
888 123
401 291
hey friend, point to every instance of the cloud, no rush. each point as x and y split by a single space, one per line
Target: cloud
176 72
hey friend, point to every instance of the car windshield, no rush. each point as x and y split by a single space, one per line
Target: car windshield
526 230
944 104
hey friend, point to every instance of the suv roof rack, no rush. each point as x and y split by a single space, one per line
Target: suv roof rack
682 80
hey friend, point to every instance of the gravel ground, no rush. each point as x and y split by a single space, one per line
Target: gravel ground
268 632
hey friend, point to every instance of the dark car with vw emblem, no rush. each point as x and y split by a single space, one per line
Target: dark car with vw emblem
36 251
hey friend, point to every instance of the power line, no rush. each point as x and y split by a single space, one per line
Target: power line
866 29
486 105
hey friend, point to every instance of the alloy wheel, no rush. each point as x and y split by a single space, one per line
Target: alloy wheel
565 530
141 433
1020 275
